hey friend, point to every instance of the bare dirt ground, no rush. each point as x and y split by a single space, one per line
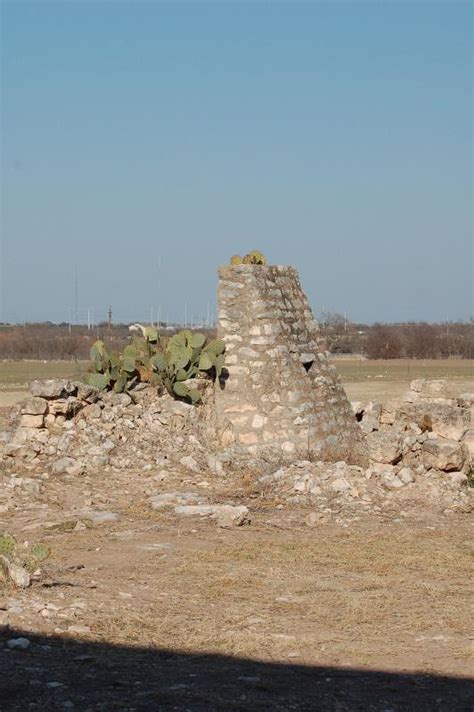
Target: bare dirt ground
147 611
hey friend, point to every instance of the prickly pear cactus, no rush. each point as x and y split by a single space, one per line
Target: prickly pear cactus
40 552
255 258
7 545
16 564
165 363
251 258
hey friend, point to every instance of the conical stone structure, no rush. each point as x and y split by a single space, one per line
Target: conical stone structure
282 393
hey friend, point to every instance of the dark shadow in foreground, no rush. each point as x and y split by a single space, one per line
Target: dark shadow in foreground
57 673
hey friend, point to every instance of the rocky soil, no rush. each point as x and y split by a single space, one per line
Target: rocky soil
137 502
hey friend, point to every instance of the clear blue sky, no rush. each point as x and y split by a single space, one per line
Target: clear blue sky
143 143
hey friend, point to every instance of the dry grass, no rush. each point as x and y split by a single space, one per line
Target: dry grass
352 598
382 380
17 374
353 370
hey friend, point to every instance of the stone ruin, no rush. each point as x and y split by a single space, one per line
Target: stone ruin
283 393
280 418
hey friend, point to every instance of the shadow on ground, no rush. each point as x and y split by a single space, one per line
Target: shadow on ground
57 673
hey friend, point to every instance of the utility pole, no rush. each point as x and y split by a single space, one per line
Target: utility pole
110 319
76 296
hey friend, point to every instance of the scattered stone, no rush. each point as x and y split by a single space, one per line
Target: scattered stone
100 517
391 481
313 519
442 419
79 629
17 574
194 510
92 412
443 454
35 406
189 462
420 453
370 420
468 441
385 447
67 465
122 399
340 485
18 644
172 499
52 388
432 389
31 421
226 515
406 475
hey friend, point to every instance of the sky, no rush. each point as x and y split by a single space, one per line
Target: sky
143 143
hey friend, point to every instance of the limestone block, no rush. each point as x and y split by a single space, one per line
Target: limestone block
466 400
385 447
258 421
371 417
442 419
468 441
389 411
35 406
248 438
52 388
248 353
426 388
86 393
226 515
406 475
92 412
31 421
240 408
65 406
67 465
442 454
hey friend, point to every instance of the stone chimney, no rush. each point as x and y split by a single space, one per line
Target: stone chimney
282 393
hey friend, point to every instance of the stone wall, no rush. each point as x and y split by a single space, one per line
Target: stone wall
282 393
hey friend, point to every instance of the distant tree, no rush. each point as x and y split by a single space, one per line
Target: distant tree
384 342
421 340
339 333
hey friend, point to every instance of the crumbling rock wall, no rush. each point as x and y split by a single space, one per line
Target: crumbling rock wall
282 392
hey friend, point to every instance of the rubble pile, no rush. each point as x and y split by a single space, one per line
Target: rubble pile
70 428
421 448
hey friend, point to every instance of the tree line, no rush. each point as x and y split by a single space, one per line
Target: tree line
403 340
375 341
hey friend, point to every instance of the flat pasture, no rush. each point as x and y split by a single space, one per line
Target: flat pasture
363 379
380 380
15 375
